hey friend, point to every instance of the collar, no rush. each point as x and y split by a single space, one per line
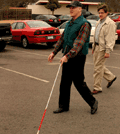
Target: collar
106 20
76 20
101 21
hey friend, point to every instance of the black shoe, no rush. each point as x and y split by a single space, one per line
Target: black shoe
94 107
60 110
110 83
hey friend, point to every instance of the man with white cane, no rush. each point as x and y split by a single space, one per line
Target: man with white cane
75 43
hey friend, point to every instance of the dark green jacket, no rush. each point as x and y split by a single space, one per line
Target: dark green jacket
71 32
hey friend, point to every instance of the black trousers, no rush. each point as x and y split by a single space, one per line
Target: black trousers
73 71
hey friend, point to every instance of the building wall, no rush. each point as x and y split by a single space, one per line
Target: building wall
40 9
93 9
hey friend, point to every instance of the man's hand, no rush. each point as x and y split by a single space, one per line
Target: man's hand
63 59
50 57
107 55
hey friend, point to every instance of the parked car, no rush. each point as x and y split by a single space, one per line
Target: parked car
114 14
5 35
64 18
67 17
115 18
86 13
50 19
93 23
62 27
34 32
93 17
118 30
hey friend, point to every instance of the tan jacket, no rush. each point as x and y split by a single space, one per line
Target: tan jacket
106 35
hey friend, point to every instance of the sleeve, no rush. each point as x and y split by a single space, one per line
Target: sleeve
80 40
110 37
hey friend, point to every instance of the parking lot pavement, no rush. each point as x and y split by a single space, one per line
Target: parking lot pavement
26 82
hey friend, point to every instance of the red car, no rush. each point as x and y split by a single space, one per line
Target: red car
118 29
33 32
115 18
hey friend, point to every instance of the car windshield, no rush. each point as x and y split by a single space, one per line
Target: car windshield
64 16
115 17
94 17
37 24
50 16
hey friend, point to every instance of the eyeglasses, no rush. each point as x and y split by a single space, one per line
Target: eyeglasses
101 12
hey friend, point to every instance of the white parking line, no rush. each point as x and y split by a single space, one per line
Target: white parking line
105 65
31 53
60 58
25 75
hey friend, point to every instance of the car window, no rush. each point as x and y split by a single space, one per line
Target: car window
20 25
51 16
85 12
40 17
34 24
63 26
13 25
115 17
60 17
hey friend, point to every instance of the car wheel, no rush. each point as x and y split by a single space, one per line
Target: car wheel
25 43
50 44
2 45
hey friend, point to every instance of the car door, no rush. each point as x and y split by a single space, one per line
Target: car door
17 31
13 26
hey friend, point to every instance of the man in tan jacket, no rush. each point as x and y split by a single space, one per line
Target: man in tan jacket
104 41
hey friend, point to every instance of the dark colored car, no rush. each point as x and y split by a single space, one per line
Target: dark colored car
118 30
50 19
93 17
86 13
5 35
64 18
67 17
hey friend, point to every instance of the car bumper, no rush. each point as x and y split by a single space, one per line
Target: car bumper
6 38
42 39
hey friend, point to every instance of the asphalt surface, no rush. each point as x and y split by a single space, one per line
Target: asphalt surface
26 82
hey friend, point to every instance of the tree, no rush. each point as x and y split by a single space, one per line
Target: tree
53 5
109 8
114 5
15 3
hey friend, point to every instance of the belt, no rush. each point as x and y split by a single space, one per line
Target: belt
96 43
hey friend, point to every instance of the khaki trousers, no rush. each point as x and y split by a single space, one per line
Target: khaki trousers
100 70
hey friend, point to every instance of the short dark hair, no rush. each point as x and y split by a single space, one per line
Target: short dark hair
104 7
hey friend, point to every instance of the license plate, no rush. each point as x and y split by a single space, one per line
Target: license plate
55 20
50 37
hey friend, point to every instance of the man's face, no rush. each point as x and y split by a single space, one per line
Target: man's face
102 14
74 11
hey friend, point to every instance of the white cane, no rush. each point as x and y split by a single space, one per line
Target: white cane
49 99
